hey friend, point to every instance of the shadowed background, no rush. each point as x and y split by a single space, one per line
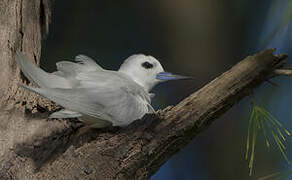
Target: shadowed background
201 38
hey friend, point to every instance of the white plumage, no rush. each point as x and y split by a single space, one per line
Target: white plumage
97 96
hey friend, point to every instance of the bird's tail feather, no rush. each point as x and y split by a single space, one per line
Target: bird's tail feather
65 114
34 90
38 76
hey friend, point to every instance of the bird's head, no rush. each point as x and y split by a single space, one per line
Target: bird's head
147 71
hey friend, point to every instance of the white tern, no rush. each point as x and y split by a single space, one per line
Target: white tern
96 96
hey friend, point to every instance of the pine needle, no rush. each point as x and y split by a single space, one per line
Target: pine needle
249 133
265 133
261 119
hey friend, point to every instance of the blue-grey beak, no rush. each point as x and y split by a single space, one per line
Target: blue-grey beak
167 76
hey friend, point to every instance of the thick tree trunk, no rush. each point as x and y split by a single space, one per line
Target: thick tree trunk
34 148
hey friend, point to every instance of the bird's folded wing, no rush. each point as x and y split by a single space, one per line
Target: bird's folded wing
77 100
83 64
111 104
88 62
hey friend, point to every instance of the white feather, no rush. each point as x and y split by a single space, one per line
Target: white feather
97 96
39 77
65 114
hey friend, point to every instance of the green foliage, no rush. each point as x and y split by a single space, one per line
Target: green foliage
262 121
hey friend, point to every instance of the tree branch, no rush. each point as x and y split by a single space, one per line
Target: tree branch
140 149
33 147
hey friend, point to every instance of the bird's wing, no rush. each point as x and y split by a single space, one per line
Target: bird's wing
83 64
88 62
77 100
114 99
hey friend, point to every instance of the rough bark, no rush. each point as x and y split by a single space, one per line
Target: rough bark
34 148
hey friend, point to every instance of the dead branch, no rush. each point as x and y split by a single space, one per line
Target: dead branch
34 148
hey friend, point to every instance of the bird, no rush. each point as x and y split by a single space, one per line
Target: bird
98 97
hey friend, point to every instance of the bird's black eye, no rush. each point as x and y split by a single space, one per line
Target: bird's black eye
147 65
